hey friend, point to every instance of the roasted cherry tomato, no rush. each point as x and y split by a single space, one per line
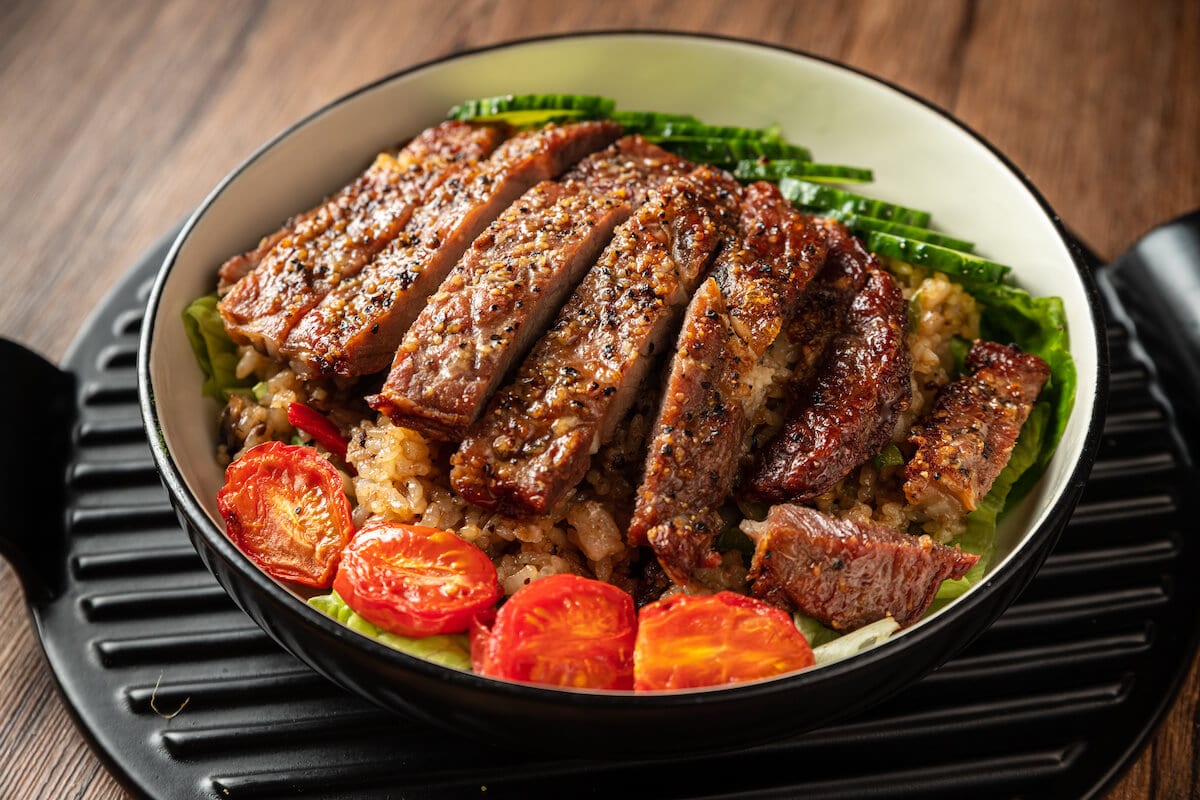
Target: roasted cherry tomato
688 641
416 581
285 508
561 630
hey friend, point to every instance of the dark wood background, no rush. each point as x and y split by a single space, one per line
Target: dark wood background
116 118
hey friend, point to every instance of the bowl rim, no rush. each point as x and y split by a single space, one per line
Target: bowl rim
916 638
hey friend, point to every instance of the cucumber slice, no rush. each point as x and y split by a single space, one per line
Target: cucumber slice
533 118
730 151
941 259
803 193
587 104
696 130
640 121
814 173
860 223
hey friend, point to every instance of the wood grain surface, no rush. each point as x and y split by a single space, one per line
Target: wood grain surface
116 118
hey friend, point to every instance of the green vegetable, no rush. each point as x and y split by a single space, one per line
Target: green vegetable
729 151
215 351
816 633
754 170
687 129
490 107
980 536
952 262
855 642
862 224
449 651
639 121
804 193
959 347
889 456
733 538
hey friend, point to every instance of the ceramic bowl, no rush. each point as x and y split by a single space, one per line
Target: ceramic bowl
921 156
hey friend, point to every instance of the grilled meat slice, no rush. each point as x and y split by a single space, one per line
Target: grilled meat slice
695 440
845 411
698 439
630 170
969 435
356 329
848 574
499 297
387 167
345 234
493 305
535 440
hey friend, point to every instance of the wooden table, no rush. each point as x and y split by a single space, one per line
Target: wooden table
117 117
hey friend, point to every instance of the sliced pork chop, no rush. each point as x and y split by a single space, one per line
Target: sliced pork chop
535 440
509 284
848 574
969 436
345 234
698 439
846 410
356 329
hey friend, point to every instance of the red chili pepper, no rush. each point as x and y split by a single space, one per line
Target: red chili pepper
318 426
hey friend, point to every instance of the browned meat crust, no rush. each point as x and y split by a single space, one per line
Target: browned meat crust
498 299
845 412
847 574
697 441
356 329
493 306
969 436
345 234
535 440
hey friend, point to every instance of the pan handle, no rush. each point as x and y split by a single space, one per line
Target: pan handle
38 412
1158 282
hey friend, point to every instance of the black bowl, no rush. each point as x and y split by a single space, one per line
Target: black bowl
921 156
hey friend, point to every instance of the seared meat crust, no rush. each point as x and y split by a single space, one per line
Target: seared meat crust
846 411
535 440
344 234
493 305
847 574
356 329
497 300
969 436
697 441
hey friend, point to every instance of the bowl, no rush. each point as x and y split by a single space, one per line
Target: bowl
921 156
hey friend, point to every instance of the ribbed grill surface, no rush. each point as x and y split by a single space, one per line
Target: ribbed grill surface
1045 704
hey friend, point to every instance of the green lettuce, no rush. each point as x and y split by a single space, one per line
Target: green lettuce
449 651
215 351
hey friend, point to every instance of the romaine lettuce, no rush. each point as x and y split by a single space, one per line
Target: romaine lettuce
449 651
215 351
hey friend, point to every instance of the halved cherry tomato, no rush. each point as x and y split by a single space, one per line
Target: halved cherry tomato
285 508
561 630
688 641
416 581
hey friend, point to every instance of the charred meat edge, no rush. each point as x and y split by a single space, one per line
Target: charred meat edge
847 408
499 297
357 327
535 440
698 438
968 437
263 306
847 574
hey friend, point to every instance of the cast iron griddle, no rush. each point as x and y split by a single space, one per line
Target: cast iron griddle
1051 702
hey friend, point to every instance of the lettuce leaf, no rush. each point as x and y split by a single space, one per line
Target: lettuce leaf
449 651
215 351
816 633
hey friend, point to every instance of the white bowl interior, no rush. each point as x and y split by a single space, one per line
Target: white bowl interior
920 158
